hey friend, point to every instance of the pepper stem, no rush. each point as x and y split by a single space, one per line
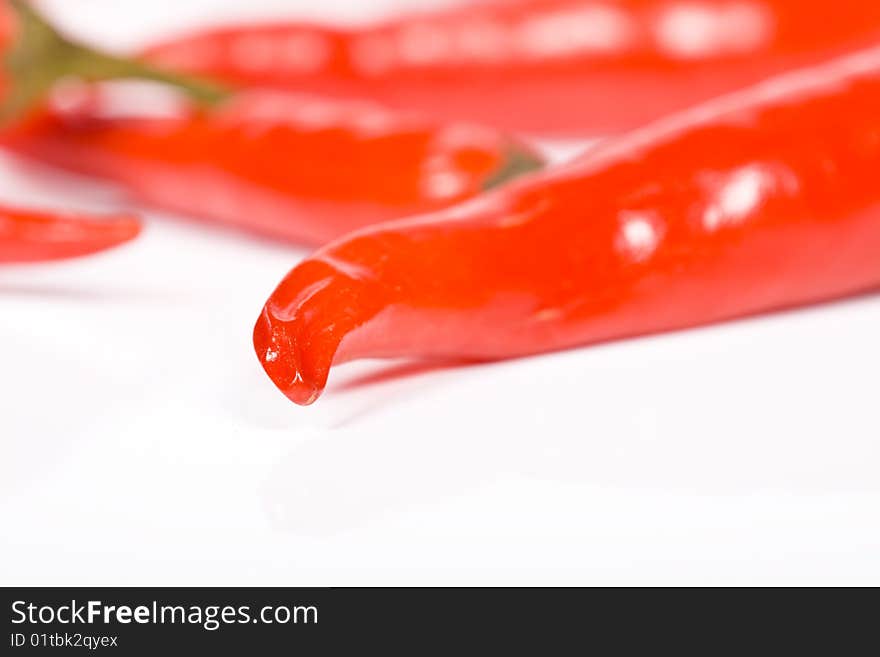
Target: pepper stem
517 161
41 56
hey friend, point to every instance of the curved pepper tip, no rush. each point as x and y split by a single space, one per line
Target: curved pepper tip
323 302
124 228
102 234
28 235
280 357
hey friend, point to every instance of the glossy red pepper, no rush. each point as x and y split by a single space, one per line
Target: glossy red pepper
286 165
31 235
36 235
764 199
544 66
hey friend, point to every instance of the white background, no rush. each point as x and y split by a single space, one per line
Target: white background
141 443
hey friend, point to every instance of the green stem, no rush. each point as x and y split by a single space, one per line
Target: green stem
41 56
517 161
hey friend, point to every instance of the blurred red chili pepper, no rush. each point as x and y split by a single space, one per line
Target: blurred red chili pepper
544 66
35 235
30 235
283 164
764 199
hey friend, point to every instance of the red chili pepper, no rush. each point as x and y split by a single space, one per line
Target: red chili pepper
29 235
545 66
32 235
284 164
764 199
